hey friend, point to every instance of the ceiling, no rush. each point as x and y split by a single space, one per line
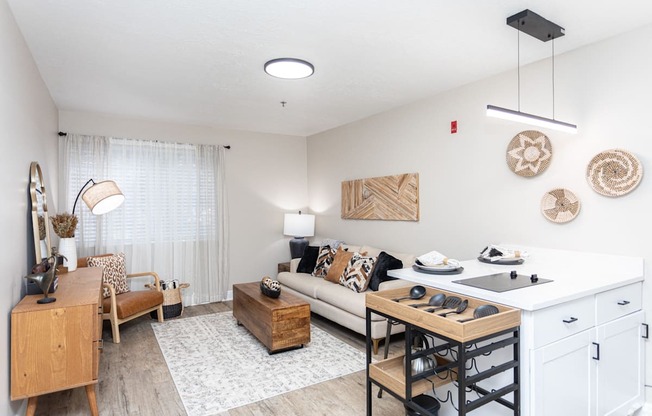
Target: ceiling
201 61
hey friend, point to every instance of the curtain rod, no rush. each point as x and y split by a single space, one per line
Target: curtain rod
61 133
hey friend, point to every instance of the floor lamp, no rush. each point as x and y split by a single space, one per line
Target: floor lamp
100 198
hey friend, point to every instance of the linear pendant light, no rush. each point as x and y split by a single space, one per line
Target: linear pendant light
544 30
512 115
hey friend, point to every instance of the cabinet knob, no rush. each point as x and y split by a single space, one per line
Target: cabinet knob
100 344
570 321
623 302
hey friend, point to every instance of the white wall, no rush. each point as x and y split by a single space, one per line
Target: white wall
266 177
468 196
29 124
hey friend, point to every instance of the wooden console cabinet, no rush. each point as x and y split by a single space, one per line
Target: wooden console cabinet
56 346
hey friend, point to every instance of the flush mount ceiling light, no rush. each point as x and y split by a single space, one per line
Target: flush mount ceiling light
289 68
534 25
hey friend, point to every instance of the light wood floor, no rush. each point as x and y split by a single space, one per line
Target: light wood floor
134 380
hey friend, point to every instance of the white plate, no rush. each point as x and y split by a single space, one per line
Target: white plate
439 267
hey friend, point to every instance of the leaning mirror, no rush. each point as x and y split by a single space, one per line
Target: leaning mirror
40 220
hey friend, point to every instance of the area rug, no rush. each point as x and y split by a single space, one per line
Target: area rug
217 365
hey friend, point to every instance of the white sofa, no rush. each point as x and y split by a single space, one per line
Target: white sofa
341 304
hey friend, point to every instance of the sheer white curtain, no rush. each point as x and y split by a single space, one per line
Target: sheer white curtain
174 218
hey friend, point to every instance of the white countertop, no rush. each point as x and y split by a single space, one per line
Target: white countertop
574 275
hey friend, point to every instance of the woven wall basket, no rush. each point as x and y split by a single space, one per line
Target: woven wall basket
560 205
614 172
529 153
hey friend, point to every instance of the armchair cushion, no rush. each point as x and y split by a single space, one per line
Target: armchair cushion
130 303
115 272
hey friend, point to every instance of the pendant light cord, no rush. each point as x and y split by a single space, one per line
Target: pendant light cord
518 62
553 77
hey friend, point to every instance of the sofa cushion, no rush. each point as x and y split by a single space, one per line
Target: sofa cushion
302 283
383 263
114 272
324 261
342 298
357 274
352 248
407 259
308 260
341 260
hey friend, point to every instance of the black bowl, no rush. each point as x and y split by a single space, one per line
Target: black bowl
269 292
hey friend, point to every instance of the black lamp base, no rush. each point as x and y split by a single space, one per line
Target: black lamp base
46 300
297 247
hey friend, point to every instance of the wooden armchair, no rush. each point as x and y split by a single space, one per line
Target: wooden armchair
123 307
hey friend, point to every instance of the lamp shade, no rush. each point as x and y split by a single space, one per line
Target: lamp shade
299 225
103 197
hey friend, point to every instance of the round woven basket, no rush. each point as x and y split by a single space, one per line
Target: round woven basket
560 205
614 172
529 153
172 301
269 292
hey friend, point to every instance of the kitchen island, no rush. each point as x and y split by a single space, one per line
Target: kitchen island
582 335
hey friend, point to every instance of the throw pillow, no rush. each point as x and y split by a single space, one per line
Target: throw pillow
114 272
332 243
357 274
340 262
308 260
383 263
324 261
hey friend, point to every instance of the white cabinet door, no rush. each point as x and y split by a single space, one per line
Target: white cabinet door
621 366
562 377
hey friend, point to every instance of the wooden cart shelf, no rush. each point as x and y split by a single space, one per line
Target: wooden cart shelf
498 331
390 374
447 326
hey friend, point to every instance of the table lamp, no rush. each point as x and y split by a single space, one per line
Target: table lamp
299 226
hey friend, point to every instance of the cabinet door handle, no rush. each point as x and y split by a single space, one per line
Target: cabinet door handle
100 344
570 321
647 331
597 351
623 302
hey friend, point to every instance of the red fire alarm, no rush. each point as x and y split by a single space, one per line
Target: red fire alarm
453 126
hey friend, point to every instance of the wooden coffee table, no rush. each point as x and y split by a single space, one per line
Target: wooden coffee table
280 324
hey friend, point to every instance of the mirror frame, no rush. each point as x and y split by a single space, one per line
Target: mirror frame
36 179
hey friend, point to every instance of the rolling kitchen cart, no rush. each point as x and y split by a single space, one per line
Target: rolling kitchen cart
495 332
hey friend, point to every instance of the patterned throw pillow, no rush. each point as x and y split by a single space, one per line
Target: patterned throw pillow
324 261
114 273
357 274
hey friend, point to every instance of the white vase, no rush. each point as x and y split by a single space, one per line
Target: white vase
68 249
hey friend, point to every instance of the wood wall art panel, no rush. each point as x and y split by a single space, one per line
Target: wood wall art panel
393 198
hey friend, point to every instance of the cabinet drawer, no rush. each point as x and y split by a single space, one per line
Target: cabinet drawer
615 303
560 321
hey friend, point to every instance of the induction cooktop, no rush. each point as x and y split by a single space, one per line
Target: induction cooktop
503 282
